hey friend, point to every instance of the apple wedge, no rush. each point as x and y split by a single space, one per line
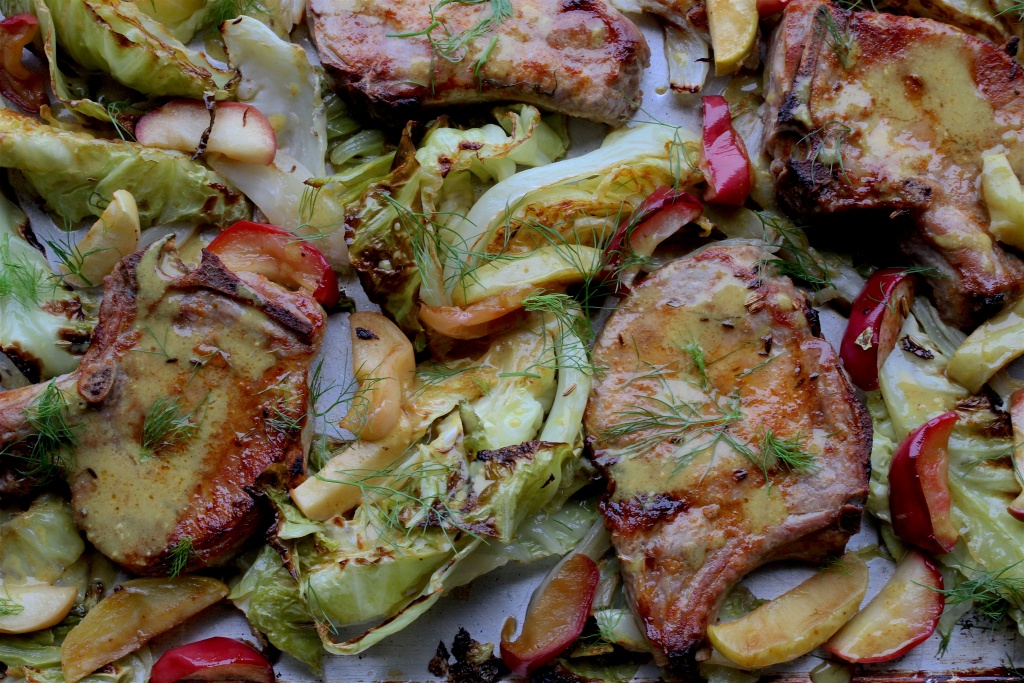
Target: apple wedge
239 130
875 322
555 620
919 500
136 611
797 621
213 659
1016 508
33 607
903 614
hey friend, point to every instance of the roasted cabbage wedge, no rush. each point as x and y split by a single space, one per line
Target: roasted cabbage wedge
490 457
988 561
46 326
76 175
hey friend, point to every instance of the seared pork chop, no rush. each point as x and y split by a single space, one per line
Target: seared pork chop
730 437
194 388
579 57
876 111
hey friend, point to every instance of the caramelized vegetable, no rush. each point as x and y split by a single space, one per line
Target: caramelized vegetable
137 611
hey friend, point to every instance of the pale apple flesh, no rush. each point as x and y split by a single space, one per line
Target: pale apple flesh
903 614
33 607
797 621
239 131
1016 508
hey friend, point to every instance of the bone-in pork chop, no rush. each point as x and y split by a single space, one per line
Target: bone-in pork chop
194 388
876 111
579 57
730 437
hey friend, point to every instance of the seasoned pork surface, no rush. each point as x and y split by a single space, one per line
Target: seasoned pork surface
876 111
579 57
711 365
193 388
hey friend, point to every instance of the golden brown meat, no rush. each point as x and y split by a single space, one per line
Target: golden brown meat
876 111
193 389
579 57
730 437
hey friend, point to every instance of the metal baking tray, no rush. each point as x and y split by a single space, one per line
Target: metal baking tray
978 652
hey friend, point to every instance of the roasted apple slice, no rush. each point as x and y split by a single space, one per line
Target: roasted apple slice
278 255
239 130
554 620
213 659
1016 508
919 487
33 607
135 612
726 164
903 614
875 322
797 621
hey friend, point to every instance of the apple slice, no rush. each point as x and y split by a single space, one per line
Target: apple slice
136 611
239 130
213 659
797 621
1016 508
34 607
919 499
875 322
554 620
903 614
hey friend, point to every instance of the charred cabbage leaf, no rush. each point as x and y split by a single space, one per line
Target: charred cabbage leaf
41 319
396 230
77 174
118 39
40 543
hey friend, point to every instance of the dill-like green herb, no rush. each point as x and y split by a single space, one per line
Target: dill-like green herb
1018 8
181 553
789 453
115 110
993 592
697 357
799 261
10 608
52 438
283 422
454 46
73 259
825 145
220 11
161 345
572 346
838 39
166 424
21 281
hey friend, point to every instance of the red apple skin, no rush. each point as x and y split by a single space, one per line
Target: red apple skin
239 130
919 501
903 615
213 659
767 8
279 256
726 164
1016 508
557 620
881 307
659 216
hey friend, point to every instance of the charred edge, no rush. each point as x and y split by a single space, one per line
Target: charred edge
365 334
911 346
214 275
25 362
813 319
510 454
96 382
642 512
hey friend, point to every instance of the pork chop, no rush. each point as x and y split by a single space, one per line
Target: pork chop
194 388
578 57
876 111
730 437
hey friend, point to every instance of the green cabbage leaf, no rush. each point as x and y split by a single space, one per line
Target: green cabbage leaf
40 316
77 174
